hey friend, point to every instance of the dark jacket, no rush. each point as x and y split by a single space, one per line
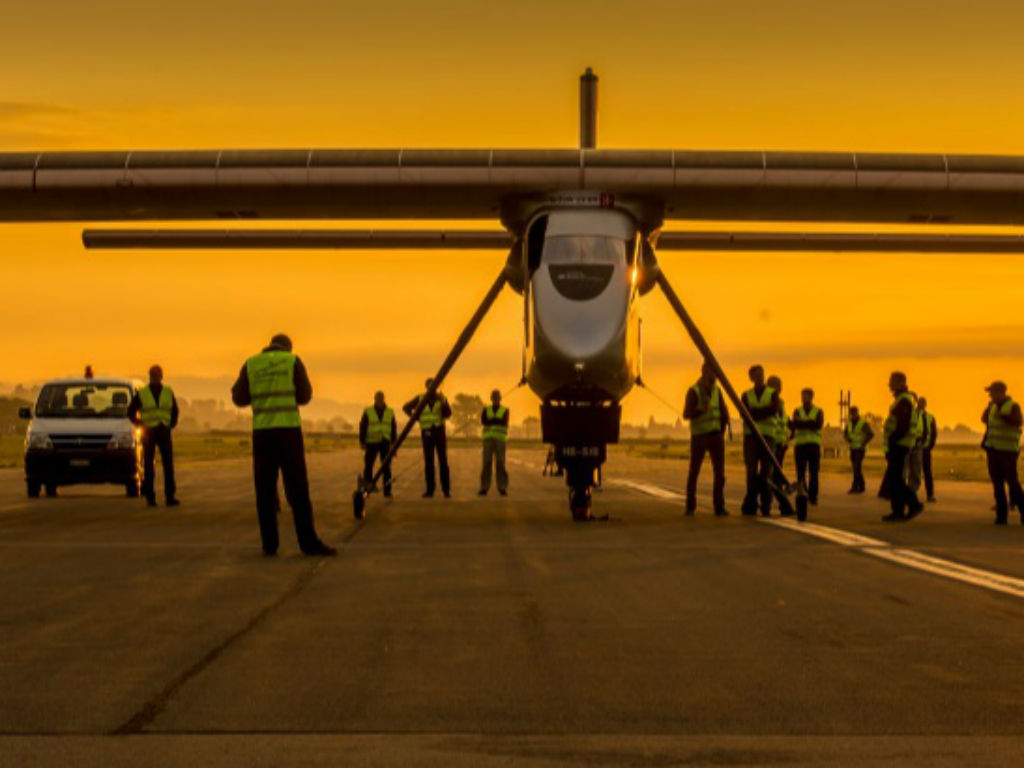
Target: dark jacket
241 396
903 414
136 405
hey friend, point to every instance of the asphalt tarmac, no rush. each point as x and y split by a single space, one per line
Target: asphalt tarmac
495 632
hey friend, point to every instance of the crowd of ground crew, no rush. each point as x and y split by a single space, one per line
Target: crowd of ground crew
909 435
274 383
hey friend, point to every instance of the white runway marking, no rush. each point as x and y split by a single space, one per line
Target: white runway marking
883 550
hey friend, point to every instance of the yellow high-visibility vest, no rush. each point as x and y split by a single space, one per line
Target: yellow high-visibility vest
767 425
1001 436
806 436
271 377
498 432
710 421
378 428
152 412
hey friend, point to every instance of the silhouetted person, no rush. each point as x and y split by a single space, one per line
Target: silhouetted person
156 410
434 438
275 384
782 435
900 435
763 404
378 431
807 424
494 419
708 415
1002 419
929 433
857 435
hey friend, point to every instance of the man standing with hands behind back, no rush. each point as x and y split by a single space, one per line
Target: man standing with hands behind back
156 410
708 415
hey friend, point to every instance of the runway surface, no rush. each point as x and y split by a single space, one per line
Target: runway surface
493 632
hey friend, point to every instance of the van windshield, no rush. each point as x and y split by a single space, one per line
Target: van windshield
84 401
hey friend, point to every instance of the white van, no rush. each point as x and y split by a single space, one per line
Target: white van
80 433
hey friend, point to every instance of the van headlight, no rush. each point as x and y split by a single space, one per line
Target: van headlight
123 442
38 441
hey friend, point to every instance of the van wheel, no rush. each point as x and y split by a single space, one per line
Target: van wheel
51 489
131 490
34 486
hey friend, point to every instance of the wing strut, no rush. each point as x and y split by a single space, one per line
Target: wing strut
701 343
365 489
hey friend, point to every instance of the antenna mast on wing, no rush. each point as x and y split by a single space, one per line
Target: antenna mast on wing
588 110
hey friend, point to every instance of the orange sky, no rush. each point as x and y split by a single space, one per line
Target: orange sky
865 76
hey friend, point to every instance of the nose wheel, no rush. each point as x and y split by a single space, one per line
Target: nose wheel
579 504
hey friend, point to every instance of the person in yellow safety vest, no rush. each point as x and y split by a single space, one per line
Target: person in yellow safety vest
494 419
434 438
377 433
781 436
708 415
1003 422
763 404
154 409
806 425
275 384
900 434
928 437
857 435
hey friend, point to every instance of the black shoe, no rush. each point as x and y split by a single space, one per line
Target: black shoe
481 492
1000 521
151 501
690 511
721 512
427 495
766 513
502 493
269 552
173 503
893 518
814 501
786 513
931 499
387 494
447 494
321 551
852 491
914 511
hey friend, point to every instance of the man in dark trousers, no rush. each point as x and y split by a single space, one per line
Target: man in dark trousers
434 437
275 384
154 408
1003 423
708 415
781 434
806 425
494 419
377 433
900 435
857 435
763 404
929 433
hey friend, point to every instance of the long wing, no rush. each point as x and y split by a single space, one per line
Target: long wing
474 184
426 239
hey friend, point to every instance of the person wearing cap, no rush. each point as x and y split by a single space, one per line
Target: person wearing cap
378 431
275 384
494 419
857 435
900 435
929 434
708 415
807 423
155 409
1003 421
762 403
432 420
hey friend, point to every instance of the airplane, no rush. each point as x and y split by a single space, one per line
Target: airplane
582 227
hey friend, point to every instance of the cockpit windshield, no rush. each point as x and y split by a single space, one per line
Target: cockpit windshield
84 401
584 249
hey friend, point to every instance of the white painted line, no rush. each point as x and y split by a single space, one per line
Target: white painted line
650 490
883 550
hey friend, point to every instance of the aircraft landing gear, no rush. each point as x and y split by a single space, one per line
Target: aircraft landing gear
579 504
